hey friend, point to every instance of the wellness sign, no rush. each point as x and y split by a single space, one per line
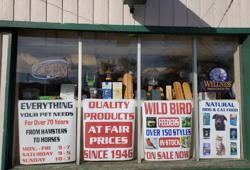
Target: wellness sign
167 129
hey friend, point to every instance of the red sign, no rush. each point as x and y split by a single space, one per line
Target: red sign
169 142
108 134
108 127
169 122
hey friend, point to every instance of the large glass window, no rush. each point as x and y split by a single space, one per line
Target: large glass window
47 88
46 83
109 82
109 58
167 89
219 95
45 61
217 56
166 65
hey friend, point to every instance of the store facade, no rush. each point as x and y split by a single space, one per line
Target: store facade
151 84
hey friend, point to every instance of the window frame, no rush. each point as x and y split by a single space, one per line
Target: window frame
244 45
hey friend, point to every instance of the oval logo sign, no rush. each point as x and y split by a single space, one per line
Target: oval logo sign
218 74
50 69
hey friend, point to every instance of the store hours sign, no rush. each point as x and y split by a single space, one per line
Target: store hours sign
108 129
47 131
167 129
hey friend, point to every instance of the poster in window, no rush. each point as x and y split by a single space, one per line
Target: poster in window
167 130
219 129
108 128
218 80
47 131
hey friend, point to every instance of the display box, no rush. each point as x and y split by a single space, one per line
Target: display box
107 90
117 90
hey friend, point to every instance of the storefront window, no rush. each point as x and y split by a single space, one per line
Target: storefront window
219 95
167 87
107 60
216 55
166 65
47 76
48 63
46 60
109 86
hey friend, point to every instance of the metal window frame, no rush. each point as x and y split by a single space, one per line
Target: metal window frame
79 102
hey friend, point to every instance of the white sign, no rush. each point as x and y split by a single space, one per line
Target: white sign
47 131
167 129
219 129
108 129
67 91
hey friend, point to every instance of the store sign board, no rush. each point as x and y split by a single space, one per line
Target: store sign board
219 129
217 81
47 131
50 69
167 129
108 128
211 86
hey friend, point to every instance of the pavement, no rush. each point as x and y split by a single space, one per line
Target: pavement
147 165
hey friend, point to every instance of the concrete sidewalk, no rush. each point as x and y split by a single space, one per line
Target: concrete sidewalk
133 165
